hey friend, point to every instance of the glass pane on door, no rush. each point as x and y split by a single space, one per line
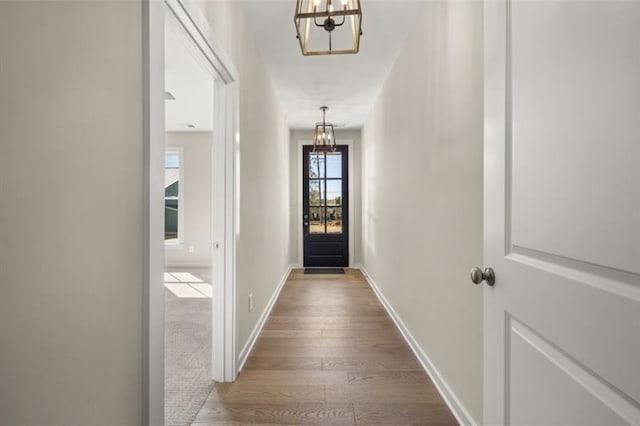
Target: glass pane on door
334 192
316 220
334 220
316 165
334 165
316 193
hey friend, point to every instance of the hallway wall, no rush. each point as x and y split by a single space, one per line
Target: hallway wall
71 232
307 135
422 160
264 243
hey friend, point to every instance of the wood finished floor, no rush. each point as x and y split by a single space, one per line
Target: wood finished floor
328 355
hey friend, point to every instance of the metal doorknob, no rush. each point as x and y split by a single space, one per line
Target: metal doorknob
478 275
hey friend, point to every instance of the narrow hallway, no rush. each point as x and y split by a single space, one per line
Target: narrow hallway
328 354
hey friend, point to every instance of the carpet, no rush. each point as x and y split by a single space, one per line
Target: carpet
187 357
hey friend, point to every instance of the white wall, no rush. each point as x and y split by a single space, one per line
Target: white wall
422 192
354 198
71 253
196 185
264 242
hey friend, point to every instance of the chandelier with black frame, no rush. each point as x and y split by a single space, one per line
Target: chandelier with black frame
324 28
324 136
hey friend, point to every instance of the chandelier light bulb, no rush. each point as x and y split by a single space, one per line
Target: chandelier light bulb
316 3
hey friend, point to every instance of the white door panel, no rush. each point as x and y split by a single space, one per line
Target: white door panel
537 366
576 130
562 212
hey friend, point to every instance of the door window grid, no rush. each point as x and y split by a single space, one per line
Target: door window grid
326 207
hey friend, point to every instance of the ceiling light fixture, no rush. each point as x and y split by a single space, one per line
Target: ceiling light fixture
324 137
315 19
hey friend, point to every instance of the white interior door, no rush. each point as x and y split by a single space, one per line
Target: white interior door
562 212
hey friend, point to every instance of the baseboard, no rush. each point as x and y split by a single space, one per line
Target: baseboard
246 350
454 404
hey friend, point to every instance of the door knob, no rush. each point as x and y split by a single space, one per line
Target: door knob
478 275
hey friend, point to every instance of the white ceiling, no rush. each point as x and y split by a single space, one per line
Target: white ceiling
347 84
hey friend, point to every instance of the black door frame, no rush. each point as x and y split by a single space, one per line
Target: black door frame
340 257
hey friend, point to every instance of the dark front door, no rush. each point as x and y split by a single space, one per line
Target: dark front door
326 207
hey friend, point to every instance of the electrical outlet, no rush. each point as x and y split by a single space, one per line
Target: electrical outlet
250 302
192 249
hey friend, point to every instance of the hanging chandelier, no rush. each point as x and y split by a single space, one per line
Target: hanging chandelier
324 137
321 29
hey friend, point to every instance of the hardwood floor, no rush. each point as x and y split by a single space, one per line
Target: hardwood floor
328 355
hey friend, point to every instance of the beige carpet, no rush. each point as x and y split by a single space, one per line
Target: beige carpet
187 353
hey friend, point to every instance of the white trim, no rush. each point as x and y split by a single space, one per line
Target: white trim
153 216
197 26
457 408
352 233
226 122
225 232
253 337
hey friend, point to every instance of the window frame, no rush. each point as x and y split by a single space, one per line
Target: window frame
179 243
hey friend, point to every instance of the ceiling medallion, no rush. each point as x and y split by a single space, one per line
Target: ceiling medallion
324 137
321 28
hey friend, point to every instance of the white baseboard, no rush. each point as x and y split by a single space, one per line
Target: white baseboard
246 350
454 404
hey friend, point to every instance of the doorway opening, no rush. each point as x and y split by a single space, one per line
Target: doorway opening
188 225
191 102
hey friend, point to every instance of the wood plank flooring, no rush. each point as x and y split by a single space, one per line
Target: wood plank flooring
328 355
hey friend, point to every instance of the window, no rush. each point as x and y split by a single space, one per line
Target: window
173 208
